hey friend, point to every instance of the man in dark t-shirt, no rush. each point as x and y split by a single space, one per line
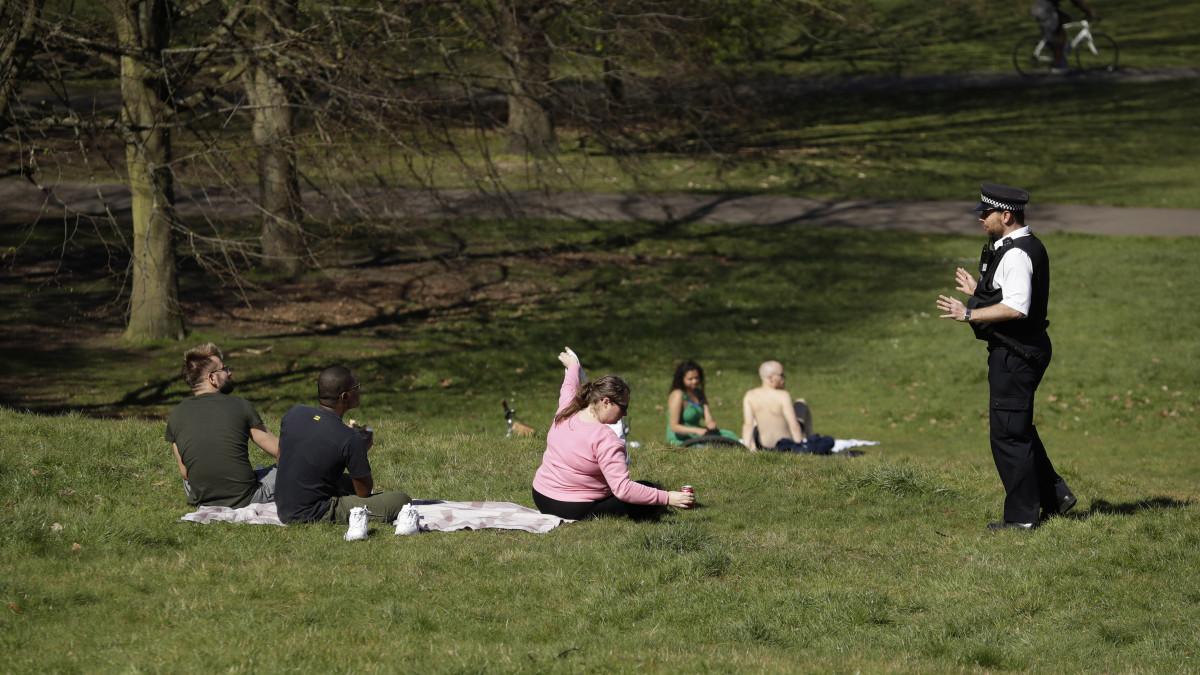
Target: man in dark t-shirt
324 471
209 433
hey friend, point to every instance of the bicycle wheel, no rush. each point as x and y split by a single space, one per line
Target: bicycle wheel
1032 55
1104 58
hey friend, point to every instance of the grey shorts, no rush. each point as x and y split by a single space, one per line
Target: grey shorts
264 493
1048 18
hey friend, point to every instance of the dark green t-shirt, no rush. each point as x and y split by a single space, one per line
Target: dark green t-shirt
212 432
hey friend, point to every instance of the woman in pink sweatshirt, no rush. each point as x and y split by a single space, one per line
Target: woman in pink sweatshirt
584 473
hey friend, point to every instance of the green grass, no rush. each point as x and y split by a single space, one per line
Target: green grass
1118 144
952 36
1098 143
876 563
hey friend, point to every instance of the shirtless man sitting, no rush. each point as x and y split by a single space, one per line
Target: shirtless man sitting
781 423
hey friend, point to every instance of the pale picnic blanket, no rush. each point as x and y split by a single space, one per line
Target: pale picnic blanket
443 516
840 444
255 514
435 515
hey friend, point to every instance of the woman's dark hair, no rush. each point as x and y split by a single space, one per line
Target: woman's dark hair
609 387
682 371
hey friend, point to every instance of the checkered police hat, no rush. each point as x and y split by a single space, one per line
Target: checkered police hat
1002 197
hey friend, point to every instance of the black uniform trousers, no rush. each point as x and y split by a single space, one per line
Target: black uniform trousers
1030 482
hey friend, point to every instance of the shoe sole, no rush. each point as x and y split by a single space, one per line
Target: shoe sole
1003 527
1067 504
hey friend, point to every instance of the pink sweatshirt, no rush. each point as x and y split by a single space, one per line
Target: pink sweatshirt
585 461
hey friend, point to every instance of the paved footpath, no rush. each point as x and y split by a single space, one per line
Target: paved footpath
23 201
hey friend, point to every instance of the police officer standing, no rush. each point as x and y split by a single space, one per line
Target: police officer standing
1007 309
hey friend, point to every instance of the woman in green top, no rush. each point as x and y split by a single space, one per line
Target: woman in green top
688 415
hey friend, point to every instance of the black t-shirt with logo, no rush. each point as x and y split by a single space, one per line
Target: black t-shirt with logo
315 448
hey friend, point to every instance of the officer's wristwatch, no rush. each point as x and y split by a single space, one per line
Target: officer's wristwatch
967 315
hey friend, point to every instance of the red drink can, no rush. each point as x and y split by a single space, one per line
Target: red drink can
687 489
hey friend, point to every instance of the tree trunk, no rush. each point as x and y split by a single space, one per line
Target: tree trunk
526 52
16 46
283 242
143 26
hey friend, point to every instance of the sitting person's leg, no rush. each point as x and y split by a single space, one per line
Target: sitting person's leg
383 506
568 510
612 506
788 445
265 493
609 506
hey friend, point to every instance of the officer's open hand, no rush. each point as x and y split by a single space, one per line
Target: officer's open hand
953 309
966 282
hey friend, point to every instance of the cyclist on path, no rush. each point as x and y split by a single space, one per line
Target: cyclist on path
1051 18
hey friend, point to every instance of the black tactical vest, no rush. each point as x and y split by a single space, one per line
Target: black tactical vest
1029 329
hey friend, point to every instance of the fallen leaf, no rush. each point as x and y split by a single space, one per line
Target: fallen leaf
447 382
66 493
14 607
34 472
76 546
160 483
56 527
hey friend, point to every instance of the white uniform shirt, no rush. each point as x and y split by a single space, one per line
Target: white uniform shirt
1014 275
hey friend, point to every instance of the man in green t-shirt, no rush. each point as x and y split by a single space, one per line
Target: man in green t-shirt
209 434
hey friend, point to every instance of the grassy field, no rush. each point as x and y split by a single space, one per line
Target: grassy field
877 563
969 36
874 563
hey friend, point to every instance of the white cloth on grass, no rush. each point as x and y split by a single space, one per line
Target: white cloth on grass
840 444
435 515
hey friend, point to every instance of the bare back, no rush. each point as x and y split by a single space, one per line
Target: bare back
772 412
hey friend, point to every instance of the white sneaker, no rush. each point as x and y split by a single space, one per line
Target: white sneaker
358 524
408 522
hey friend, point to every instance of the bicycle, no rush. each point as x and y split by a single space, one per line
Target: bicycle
1092 51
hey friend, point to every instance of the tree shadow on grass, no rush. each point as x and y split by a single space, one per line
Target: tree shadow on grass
619 288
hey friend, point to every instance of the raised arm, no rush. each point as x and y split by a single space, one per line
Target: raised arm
571 378
568 357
